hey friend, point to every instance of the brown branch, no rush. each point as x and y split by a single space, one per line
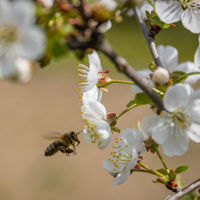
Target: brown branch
150 40
191 187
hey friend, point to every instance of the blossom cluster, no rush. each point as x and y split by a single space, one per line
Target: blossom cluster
171 130
21 41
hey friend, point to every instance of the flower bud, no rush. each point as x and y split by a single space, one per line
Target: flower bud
160 76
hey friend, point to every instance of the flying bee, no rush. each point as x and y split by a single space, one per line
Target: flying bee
62 143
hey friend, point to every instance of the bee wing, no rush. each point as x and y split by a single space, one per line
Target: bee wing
52 135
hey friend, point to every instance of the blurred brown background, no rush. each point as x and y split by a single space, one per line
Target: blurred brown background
50 103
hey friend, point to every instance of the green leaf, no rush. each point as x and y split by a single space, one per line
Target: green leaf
58 49
156 21
132 102
179 73
183 77
181 169
142 99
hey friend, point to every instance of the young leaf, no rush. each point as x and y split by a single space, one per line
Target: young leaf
142 99
183 77
181 169
132 102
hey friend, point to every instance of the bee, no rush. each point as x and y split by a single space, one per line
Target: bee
62 143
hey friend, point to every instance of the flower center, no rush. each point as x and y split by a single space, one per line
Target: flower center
120 158
181 119
195 4
83 74
91 130
8 36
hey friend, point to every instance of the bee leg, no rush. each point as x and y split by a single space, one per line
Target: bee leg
62 149
78 142
68 151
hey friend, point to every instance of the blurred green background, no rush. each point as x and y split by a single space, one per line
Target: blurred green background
50 103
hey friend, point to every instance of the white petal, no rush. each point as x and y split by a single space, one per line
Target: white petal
133 162
94 94
103 129
194 132
145 7
175 146
147 123
104 27
168 11
160 132
95 60
175 97
191 19
86 136
94 111
193 109
92 77
188 67
5 11
197 55
47 3
133 137
23 72
109 166
168 56
32 43
121 177
27 16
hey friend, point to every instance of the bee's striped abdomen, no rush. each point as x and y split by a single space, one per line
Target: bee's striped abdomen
52 148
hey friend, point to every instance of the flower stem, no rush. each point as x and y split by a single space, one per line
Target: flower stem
152 171
119 81
142 170
125 111
161 159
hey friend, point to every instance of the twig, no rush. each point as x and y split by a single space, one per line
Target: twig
150 40
184 191
82 10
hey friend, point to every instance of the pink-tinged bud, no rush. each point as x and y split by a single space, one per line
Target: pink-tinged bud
111 118
160 76
137 167
103 79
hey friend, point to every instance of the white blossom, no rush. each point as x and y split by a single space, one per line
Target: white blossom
97 129
125 155
20 39
104 27
169 58
89 78
20 70
188 11
180 121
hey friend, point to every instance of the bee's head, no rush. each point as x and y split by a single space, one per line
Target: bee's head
74 135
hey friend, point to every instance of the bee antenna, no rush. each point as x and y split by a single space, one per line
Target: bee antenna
79 132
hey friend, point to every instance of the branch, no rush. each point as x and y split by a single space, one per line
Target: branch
150 40
185 191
